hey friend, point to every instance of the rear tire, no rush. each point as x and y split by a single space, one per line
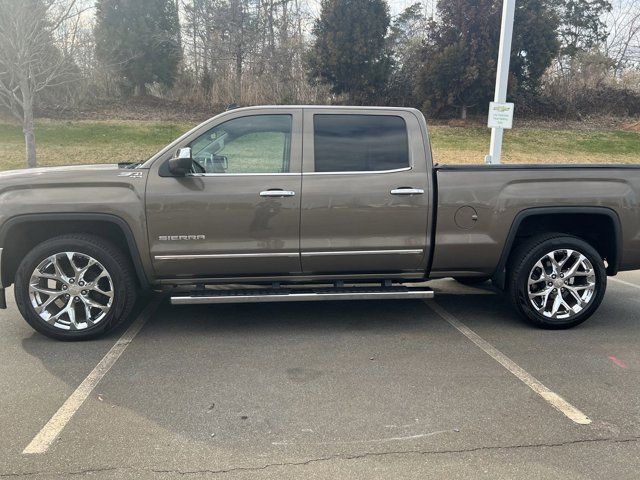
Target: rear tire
556 281
75 287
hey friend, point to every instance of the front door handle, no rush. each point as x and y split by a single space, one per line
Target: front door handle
277 193
407 191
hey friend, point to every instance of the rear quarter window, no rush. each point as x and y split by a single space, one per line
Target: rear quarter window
360 143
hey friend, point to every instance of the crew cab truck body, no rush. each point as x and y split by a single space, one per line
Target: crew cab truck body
288 200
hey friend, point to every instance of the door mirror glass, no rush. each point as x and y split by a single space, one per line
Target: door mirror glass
181 164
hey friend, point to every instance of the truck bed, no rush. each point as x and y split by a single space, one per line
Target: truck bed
503 196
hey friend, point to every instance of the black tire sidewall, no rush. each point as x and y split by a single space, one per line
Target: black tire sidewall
48 248
519 282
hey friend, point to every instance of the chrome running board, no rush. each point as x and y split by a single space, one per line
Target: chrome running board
206 296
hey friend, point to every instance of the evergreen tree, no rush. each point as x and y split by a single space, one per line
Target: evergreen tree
535 44
407 33
349 52
460 55
459 59
139 39
582 27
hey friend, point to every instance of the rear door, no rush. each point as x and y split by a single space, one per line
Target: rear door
365 202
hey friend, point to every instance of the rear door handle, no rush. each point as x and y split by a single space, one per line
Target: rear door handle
407 191
277 193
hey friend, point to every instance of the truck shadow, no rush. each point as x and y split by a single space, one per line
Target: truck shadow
289 320
255 370
311 322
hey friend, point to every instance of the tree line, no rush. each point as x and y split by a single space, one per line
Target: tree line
440 59
569 57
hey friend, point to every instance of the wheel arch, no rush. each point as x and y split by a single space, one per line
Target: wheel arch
21 233
569 220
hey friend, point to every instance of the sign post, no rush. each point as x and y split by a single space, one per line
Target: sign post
502 79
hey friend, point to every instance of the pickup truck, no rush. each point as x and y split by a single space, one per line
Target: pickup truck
303 203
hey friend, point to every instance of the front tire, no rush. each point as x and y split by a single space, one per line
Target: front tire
75 287
556 281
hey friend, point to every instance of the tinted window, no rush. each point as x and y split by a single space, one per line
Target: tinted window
252 144
360 143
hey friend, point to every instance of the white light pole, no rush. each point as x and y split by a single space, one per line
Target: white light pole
502 76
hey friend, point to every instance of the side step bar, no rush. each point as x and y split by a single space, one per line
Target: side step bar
299 295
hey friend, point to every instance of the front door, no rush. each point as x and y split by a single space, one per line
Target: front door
238 212
365 202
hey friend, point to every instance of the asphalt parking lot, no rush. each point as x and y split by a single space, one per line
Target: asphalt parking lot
387 390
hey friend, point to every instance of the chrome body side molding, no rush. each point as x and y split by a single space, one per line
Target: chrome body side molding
413 276
226 256
363 252
288 254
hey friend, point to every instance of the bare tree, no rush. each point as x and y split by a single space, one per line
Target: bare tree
247 51
623 43
30 61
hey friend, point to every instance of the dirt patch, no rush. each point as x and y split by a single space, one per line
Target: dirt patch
631 126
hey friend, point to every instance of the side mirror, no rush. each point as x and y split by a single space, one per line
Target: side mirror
181 164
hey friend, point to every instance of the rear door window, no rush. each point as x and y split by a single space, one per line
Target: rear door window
360 143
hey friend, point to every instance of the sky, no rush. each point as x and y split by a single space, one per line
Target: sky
396 6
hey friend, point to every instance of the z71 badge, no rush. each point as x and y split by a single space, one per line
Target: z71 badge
131 174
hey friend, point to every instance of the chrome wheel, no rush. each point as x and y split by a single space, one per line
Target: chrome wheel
71 291
561 284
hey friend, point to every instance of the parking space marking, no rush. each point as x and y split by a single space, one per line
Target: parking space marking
555 400
43 440
623 282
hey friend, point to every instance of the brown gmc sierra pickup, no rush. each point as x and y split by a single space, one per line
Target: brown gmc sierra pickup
309 203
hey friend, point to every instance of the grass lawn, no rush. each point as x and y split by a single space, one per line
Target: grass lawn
78 142
82 142
536 145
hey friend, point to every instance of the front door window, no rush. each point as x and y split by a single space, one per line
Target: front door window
252 144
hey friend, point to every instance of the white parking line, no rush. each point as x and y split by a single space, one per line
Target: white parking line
43 440
623 282
552 398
